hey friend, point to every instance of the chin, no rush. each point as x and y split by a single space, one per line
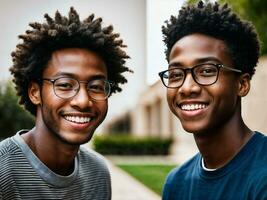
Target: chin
194 128
77 141
76 138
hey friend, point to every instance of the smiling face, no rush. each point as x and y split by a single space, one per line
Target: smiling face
74 120
204 108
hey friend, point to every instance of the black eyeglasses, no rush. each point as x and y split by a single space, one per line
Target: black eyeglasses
66 87
203 74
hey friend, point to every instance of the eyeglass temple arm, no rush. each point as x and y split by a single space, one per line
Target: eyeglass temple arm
231 69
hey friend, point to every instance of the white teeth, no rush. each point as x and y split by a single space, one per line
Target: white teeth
77 119
193 106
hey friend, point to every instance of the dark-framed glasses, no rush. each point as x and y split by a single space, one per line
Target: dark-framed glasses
66 87
203 74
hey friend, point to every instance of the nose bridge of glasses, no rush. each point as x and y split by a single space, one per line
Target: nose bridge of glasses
81 92
190 85
191 73
81 99
81 89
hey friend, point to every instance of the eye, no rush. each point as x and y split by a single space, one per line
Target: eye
175 75
64 84
97 86
206 70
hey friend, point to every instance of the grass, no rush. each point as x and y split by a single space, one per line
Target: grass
153 176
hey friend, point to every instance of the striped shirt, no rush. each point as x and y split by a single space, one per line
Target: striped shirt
24 176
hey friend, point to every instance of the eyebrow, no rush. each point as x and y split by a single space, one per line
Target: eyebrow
197 61
67 74
59 74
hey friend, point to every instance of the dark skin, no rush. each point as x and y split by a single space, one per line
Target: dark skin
56 139
222 145
218 128
59 159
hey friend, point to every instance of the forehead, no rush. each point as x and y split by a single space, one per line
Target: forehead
194 48
77 62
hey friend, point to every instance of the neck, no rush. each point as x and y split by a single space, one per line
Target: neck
220 145
56 155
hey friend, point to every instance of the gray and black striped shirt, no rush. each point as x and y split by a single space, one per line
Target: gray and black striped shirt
24 176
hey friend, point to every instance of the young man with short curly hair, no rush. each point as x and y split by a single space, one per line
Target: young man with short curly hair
64 71
212 55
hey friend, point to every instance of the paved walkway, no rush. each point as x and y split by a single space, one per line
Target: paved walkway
125 187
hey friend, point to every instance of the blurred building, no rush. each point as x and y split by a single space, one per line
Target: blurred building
151 115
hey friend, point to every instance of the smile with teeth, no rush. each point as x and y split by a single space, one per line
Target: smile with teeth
77 119
190 107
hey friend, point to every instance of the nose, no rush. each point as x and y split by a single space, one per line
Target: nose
81 100
189 87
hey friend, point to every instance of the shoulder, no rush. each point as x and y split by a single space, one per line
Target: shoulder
184 169
93 167
261 136
92 158
260 144
10 146
94 171
257 156
264 137
7 147
4 146
178 176
9 152
258 184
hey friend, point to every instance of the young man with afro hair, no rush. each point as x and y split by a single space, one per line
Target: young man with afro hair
212 55
64 71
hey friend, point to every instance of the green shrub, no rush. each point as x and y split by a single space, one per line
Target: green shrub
129 145
12 116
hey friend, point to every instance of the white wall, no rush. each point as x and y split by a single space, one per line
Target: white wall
158 11
127 16
253 105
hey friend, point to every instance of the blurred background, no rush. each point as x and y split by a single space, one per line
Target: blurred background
139 121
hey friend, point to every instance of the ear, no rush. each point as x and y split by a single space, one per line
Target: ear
243 85
34 92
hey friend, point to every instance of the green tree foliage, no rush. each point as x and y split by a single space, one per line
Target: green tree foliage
12 116
252 10
195 1
255 11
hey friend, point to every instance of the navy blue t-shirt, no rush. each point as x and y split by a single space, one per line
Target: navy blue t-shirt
244 177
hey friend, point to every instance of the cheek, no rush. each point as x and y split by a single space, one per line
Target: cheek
102 107
225 97
48 94
50 100
171 98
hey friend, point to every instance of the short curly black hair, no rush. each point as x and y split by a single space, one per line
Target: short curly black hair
219 22
32 55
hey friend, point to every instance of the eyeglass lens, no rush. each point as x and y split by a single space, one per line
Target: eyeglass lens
69 87
205 74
